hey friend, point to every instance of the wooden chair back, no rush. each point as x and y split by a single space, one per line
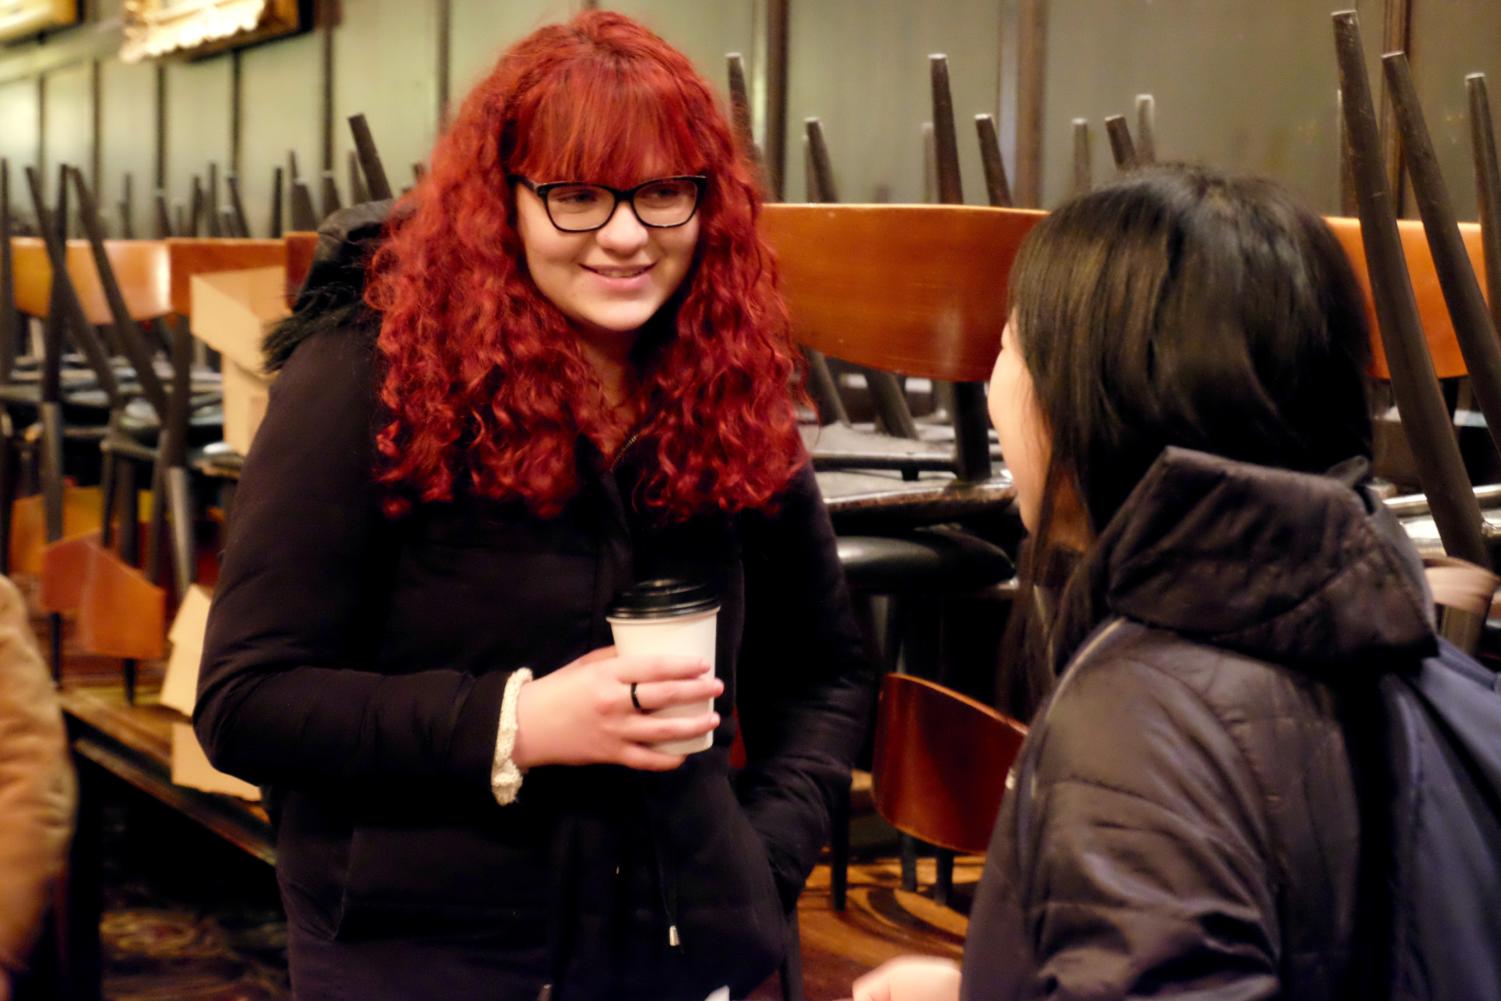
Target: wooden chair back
1433 312
191 256
920 289
915 289
140 266
940 763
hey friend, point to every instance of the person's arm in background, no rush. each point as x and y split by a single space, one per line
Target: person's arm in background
36 787
805 684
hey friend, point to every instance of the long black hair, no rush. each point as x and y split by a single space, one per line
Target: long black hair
1177 306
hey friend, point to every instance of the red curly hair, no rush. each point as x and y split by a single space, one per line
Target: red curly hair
483 380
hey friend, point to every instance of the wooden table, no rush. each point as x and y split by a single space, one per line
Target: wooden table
868 501
856 500
114 745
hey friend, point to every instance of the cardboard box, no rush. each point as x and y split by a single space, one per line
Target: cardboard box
180 683
232 312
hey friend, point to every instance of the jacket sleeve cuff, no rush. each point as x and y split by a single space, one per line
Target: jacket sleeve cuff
505 777
472 752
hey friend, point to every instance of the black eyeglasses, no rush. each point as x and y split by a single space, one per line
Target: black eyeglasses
661 203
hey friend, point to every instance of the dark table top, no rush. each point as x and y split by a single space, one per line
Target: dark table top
851 495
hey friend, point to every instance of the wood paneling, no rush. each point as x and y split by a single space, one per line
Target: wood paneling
198 130
279 102
383 67
862 67
702 32
127 131
1243 86
1452 38
1247 87
68 113
482 29
20 138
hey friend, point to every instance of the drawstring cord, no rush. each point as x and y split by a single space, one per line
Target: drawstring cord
667 885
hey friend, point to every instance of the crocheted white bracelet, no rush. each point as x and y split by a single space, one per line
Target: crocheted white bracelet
505 777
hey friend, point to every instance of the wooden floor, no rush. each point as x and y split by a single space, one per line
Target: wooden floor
880 921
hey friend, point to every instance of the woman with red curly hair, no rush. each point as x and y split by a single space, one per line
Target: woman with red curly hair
558 367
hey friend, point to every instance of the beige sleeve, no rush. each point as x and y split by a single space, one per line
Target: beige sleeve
36 783
505 777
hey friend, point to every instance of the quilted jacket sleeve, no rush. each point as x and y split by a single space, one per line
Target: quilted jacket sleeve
805 682
282 696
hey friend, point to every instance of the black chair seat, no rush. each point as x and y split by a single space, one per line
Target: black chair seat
932 560
70 376
81 406
126 446
140 424
835 446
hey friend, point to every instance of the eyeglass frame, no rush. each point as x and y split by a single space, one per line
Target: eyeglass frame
627 195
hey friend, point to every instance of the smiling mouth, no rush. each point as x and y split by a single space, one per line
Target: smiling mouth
630 272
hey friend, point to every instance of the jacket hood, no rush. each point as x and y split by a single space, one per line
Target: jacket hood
332 295
1301 569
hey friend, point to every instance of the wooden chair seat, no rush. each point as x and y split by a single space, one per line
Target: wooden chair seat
28 536
65 569
120 612
940 764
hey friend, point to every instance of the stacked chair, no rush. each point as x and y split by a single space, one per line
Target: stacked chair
123 404
1426 420
113 397
907 291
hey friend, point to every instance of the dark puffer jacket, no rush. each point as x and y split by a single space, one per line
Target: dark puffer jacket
355 665
1182 821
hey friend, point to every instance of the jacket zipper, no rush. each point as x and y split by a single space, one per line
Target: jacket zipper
620 452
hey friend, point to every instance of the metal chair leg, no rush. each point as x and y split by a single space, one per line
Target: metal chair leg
839 850
107 498
55 645
909 863
130 546
130 512
791 972
943 887
8 473
50 460
180 504
156 526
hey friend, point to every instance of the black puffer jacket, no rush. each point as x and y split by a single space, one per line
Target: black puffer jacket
1182 820
356 666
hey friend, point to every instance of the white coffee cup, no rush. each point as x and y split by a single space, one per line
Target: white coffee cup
676 618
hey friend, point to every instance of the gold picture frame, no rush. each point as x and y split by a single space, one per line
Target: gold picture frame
19 18
156 28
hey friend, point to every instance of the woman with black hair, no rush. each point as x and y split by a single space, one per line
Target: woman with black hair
1181 397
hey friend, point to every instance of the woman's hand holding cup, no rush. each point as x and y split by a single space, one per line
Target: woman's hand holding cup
583 713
